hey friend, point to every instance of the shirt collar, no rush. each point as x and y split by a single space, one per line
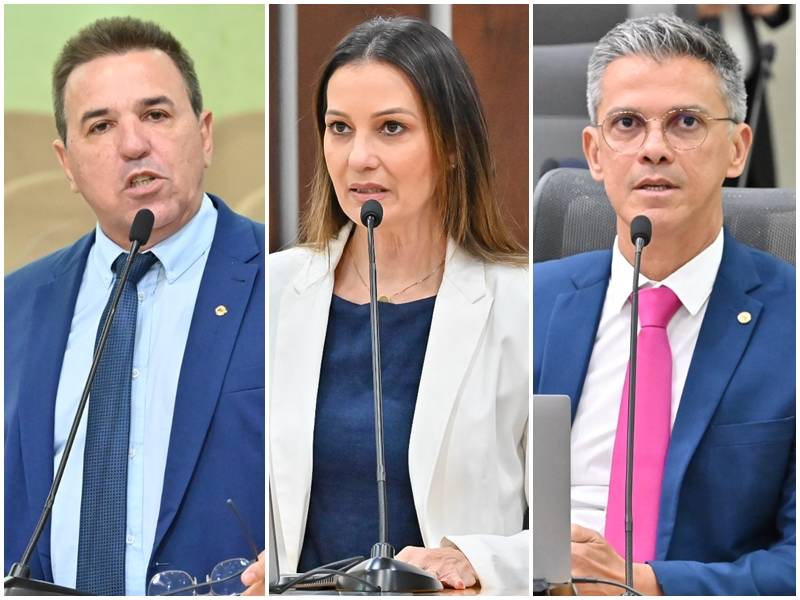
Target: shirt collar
692 283
176 253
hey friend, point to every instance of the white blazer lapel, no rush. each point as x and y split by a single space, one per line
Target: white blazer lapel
299 341
459 318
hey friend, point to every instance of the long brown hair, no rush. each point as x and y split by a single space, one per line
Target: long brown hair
465 188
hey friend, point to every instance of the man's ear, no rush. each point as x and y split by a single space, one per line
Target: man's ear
741 144
63 160
207 134
591 150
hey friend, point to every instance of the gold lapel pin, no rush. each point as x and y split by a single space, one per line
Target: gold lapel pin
222 310
744 317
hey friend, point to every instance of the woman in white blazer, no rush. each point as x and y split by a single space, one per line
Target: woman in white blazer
399 120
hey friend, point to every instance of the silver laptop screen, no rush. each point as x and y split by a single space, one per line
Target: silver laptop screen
550 504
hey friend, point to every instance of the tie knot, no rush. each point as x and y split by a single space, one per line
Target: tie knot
657 306
141 265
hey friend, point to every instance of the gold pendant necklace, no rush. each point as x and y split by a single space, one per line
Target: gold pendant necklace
390 298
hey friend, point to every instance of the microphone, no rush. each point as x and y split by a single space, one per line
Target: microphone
141 227
18 581
641 232
371 217
371 209
381 570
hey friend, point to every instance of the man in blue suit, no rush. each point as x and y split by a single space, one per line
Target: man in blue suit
133 134
667 104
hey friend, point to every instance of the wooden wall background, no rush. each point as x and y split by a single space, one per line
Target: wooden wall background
492 38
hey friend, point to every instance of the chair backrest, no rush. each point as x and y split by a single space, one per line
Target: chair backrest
571 214
576 23
559 102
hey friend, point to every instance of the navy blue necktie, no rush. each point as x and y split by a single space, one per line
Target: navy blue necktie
101 546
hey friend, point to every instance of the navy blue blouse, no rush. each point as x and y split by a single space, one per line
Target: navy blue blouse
343 509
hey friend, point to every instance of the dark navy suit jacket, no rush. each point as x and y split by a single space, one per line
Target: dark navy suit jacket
727 515
216 447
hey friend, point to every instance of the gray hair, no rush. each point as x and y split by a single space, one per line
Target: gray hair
667 36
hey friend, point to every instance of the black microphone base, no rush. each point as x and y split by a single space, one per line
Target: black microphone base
23 586
390 575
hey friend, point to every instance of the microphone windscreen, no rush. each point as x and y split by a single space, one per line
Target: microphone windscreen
372 208
641 228
142 226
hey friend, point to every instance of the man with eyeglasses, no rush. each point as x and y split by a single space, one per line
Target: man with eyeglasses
174 424
714 482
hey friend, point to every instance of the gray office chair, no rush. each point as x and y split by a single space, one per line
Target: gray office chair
571 214
559 104
575 23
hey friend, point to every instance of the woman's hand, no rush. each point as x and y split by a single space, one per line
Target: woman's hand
711 11
254 576
449 565
763 10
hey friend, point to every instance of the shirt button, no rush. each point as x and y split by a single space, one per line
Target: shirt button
135 373
132 453
141 296
130 539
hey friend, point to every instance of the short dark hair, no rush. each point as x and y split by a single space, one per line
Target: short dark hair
456 124
119 35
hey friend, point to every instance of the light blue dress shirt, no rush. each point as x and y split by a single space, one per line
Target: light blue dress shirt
167 294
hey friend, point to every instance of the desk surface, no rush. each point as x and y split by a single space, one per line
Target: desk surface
473 591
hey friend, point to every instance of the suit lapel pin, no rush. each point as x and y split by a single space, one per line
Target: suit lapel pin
222 310
744 317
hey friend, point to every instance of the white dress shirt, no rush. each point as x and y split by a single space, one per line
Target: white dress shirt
595 425
167 294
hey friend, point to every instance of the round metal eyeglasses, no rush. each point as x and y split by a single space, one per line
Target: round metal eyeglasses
682 128
224 580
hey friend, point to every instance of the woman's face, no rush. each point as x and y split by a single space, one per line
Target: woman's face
377 145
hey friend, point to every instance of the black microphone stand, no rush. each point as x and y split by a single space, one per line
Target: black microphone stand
18 581
385 549
381 570
641 231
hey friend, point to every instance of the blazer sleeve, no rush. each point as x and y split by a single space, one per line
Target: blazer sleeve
502 562
768 571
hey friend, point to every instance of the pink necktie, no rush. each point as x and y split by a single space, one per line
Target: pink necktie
651 431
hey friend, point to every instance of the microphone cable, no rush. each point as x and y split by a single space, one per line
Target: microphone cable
631 591
338 567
